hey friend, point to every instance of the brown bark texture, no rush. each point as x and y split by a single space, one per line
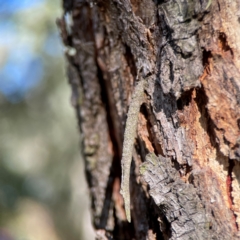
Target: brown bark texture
185 173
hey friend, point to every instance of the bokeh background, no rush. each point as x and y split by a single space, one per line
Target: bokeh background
43 193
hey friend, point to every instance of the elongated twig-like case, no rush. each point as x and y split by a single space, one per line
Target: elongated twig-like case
129 137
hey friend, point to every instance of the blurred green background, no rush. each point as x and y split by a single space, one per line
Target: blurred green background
43 193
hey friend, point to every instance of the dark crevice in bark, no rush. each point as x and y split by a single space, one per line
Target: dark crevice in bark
230 189
130 60
108 108
151 210
238 123
154 220
164 223
188 169
184 100
206 55
224 44
165 29
171 76
107 200
152 138
202 100
144 111
140 204
123 230
177 50
159 1
126 232
115 167
176 165
163 102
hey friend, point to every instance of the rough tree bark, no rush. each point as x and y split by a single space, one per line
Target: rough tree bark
185 173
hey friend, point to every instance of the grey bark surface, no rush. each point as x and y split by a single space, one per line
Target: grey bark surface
185 174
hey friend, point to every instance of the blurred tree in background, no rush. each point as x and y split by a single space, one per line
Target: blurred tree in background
42 186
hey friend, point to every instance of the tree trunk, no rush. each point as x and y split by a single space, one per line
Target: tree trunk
185 174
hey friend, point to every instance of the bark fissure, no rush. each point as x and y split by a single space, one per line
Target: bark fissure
114 170
230 188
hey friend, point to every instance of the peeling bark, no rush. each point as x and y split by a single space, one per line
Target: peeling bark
188 137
